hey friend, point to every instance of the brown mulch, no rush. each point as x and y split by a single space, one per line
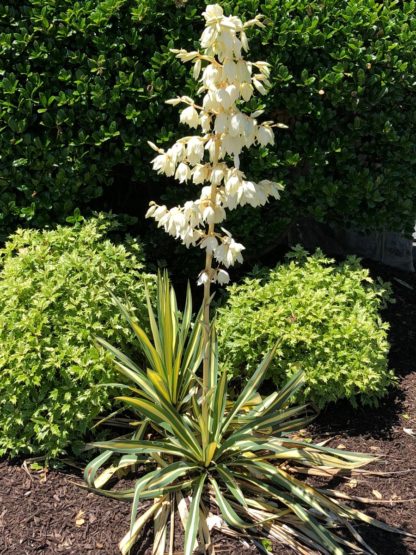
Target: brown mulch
43 512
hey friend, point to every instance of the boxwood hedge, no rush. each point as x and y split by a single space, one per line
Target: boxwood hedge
83 86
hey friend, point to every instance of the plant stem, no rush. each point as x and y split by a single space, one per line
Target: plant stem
206 321
207 296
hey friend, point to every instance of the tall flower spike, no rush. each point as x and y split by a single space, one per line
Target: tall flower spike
212 159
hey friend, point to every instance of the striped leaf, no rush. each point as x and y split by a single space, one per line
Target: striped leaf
160 525
153 323
167 415
287 391
139 486
218 405
270 420
142 446
210 452
94 466
192 523
326 538
227 511
231 484
159 384
130 539
250 388
148 349
119 355
167 475
168 341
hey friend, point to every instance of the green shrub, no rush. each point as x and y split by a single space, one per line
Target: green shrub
327 318
54 297
83 87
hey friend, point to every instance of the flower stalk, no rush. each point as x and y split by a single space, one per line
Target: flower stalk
212 159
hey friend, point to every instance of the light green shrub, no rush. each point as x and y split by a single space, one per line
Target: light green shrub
54 297
327 318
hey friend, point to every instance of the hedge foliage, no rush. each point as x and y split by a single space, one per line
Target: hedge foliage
53 300
327 319
83 86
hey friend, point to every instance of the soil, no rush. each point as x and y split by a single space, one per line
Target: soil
44 512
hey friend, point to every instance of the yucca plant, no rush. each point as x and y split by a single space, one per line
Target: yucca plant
241 462
198 450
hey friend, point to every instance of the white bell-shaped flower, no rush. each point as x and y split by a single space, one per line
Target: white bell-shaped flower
229 252
205 122
246 91
229 69
210 243
177 152
265 135
200 173
190 117
223 99
163 163
223 277
195 150
183 173
221 123
213 12
203 278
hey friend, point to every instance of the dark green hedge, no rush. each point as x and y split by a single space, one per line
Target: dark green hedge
82 87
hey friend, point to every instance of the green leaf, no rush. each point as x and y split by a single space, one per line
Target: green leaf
193 517
230 516
167 415
249 389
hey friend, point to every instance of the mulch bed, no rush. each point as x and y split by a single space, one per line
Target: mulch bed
43 512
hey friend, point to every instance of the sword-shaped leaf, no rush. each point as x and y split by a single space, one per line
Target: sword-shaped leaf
165 476
231 484
326 538
218 404
160 526
169 416
148 349
139 486
153 322
192 523
250 388
130 538
94 466
142 446
227 511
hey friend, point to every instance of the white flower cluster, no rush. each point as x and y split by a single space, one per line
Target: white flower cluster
226 80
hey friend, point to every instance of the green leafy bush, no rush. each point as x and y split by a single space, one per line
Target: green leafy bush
327 318
83 87
54 298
